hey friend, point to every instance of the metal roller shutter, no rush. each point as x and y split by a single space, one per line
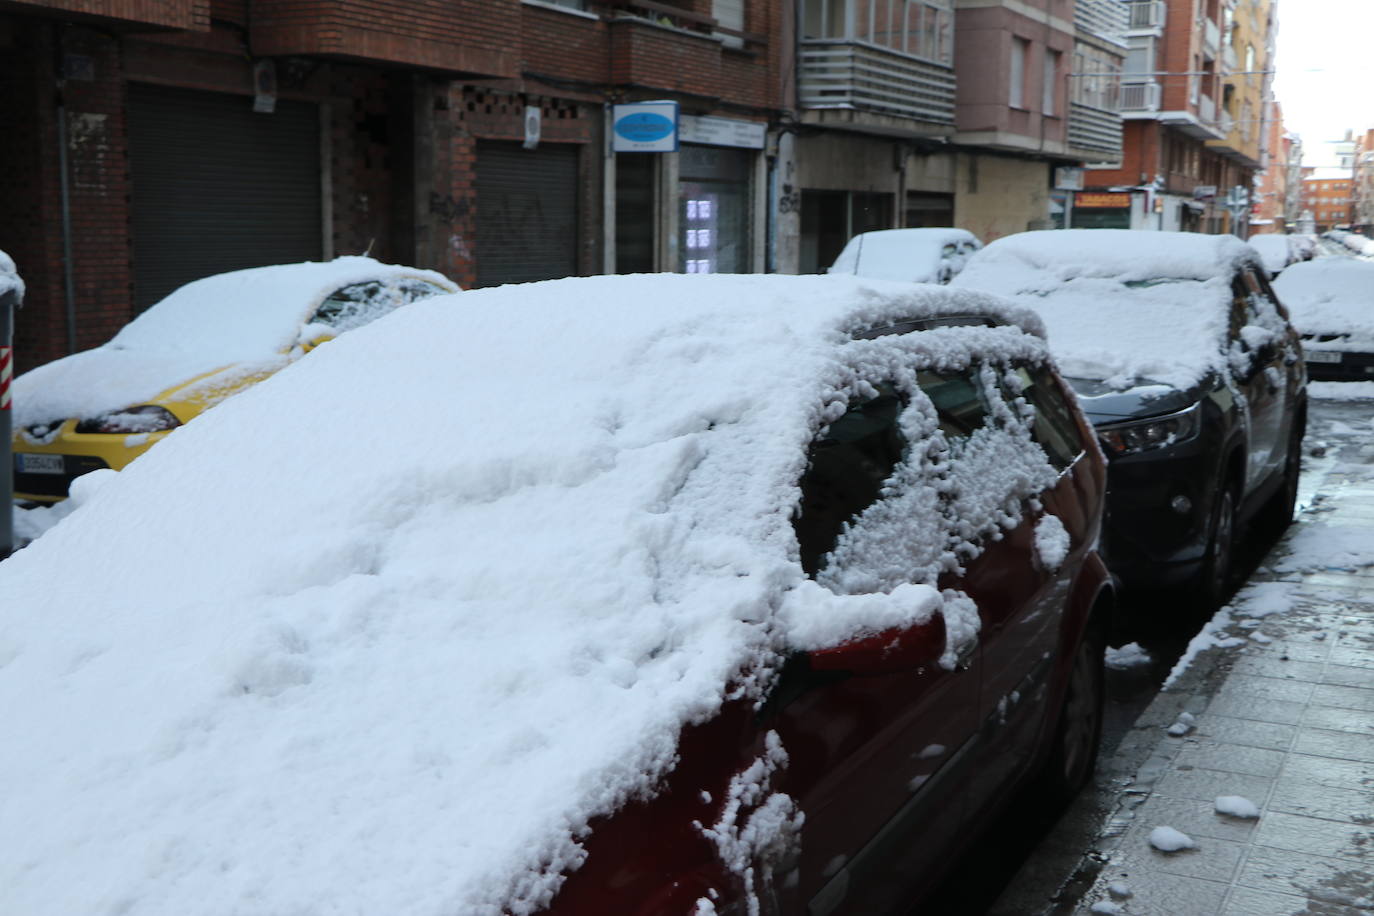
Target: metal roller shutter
526 212
217 186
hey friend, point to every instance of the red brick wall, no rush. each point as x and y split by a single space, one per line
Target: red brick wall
473 36
178 14
98 189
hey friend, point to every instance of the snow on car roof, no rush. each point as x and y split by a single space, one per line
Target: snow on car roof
913 255
1329 296
1274 250
382 633
245 317
1119 305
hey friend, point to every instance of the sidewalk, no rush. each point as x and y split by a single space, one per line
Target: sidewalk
1282 715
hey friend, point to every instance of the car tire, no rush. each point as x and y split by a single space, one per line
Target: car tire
1214 581
1073 755
1278 514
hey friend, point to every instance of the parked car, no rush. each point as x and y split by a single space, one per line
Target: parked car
1331 301
653 595
1275 252
931 255
1304 246
1186 363
210 339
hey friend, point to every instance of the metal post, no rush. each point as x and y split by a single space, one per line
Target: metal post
9 299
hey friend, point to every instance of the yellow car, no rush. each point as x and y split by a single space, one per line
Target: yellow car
104 407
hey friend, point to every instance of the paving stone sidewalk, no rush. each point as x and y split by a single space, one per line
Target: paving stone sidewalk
1283 718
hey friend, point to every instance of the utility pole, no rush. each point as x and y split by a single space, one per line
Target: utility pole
11 291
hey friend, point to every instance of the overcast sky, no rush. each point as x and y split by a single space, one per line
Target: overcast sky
1325 67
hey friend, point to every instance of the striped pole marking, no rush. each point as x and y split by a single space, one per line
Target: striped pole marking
6 373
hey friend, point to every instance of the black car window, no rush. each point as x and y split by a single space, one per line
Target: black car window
848 464
357 304
1053 425
959 401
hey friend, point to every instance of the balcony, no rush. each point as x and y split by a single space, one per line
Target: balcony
1139 98
1104 18
848 76
1228 58
1225 122
1094 134
1207 110
1211 39
1146 16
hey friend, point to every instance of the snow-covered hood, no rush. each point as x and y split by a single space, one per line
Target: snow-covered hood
383 633
233 323
1330 296
1120 306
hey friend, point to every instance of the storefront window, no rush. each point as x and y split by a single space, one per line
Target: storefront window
714 188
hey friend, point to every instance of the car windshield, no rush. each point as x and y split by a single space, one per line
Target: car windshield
360 303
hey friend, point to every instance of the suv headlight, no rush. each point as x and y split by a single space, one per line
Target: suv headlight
1141 435
147 418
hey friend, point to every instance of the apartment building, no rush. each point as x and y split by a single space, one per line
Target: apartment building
1326 193
1191 100
146 144
1269 210
1362 186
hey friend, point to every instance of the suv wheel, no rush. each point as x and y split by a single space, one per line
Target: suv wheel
1074 753
1279 512
1215 580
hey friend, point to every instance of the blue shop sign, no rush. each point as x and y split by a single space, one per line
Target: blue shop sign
645 127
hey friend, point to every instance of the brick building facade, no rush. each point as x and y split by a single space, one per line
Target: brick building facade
145 144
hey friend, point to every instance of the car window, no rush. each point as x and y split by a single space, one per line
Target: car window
1053 426
357 304
960 403
848 464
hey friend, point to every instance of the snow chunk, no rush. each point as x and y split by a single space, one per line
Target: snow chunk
1131 655
1167 839
1051 542
758 828
1107 908
1236 806
1120 890
1182 725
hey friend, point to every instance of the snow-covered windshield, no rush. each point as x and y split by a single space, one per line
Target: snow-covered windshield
1119 305
1330 296
916 255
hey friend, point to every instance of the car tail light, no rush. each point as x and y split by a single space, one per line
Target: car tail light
147 418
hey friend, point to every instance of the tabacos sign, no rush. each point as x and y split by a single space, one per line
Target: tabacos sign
645 127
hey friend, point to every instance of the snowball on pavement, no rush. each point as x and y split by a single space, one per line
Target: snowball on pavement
1167 839
1182 725
1236 806
1120 890
1131 655
1107 908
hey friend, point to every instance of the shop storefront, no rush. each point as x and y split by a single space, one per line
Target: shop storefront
1101 210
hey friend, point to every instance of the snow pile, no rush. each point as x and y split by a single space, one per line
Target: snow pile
387 640
1167 293
9 277
227 327
1167 839
1182 725
1131 655
1051 542
1341 391
30 524
1212 635
910 255
1237 806
1331 296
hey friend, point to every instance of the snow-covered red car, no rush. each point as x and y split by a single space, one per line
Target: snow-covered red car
655 595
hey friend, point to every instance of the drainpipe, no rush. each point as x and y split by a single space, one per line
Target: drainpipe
68 282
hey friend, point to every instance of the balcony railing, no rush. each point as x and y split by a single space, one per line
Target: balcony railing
1206 110
1108 18
1147 14
1225 122
1228 57
1094 133
1139 97
843 74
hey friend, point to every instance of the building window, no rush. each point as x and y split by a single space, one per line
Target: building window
918 28
1051 83
1017 93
